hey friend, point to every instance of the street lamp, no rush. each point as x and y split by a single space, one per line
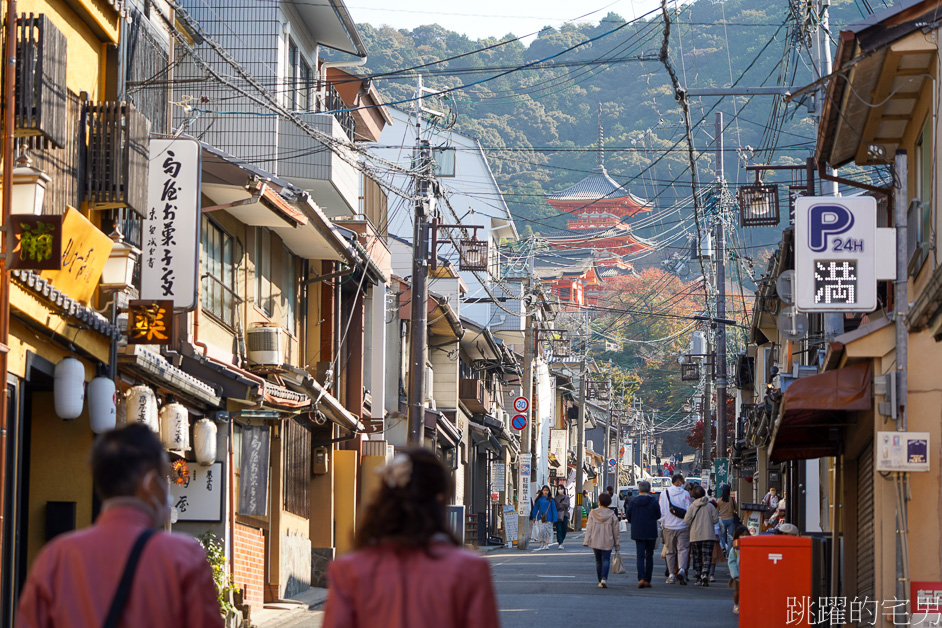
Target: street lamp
29 187
118 273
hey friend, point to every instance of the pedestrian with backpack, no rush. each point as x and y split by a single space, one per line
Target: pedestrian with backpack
702 517
543 517
674 502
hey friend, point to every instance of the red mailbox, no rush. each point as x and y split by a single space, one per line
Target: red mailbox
775 581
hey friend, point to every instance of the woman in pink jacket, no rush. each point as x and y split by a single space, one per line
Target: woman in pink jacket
409 569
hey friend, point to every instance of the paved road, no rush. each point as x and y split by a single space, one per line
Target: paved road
559 589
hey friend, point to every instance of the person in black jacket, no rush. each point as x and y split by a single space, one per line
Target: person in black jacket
642 513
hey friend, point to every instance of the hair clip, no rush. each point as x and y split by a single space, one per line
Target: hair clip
398 472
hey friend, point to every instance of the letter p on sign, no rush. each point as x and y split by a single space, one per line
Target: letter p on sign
827 220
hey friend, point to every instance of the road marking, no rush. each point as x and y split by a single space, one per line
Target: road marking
538 576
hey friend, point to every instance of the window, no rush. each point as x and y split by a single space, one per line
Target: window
263 270
297 469
291 75
289 291
919 218
218 273
305 87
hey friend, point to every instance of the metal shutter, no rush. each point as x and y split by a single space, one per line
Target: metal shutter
865 524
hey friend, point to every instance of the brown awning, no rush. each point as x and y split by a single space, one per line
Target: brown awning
814 409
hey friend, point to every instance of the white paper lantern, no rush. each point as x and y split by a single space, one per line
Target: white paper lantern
142 407
175 427
69 390
204 442
102 412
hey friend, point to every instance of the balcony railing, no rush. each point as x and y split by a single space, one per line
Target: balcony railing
40 104
333 102
474 395
118 156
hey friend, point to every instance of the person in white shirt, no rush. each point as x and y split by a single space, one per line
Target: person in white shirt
616 502
676 533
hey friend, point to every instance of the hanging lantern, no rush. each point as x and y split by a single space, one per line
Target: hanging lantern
102 412
69 389
121 410
204 442
175 427
142 407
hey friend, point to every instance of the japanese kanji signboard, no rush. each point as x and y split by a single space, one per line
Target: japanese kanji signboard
38 242
85 249
150 322
835 254
170 241
199 498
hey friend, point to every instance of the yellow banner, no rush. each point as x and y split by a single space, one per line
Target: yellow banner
85 250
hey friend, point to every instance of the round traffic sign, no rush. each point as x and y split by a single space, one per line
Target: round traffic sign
612 462
519 422
521 404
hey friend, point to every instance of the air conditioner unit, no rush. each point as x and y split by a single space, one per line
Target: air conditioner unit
429 384
265 345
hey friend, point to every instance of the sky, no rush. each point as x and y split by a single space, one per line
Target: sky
491 18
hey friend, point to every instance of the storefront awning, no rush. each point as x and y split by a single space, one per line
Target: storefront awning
814 409
153 368
482 434
435 420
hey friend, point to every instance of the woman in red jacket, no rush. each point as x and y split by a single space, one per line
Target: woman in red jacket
409 569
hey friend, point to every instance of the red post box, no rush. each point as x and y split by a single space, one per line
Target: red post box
775 581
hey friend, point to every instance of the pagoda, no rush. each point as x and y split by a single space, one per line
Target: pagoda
599 208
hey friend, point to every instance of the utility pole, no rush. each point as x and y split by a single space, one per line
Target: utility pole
707 409
420 263
608 436
580 432
720 298
523 509
901 305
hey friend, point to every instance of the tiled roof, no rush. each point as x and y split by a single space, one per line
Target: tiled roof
67 305
596 186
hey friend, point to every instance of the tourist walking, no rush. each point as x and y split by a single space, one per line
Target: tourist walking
701 517
562 514
733 562
674 502
543 517
643 513
74 582
616 502
602 536
727 508
405 549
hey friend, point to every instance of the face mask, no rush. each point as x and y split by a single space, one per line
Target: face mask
162 508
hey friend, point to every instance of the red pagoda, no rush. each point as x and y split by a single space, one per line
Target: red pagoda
599 207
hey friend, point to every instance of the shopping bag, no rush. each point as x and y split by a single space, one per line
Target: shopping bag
535 531
663 551
622 526
718 555
618 565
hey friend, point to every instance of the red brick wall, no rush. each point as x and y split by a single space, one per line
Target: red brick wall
249 562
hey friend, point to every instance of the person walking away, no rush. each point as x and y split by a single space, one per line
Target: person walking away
733 562
562 514
643 513
727 508
602 536
616 502
543 516
74 579
701 517
674 502
405 549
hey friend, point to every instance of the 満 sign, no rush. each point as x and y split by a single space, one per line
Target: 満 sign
835 254
171 239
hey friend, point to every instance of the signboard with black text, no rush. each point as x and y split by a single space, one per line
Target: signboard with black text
171 228
253 471
835 254
200 497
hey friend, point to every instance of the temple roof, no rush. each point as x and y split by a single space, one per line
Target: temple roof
597 188
600 234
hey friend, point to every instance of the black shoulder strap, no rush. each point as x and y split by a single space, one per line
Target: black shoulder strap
127 577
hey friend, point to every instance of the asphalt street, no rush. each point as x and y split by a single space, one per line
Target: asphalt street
558 588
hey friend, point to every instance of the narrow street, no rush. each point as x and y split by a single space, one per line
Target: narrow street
559 589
